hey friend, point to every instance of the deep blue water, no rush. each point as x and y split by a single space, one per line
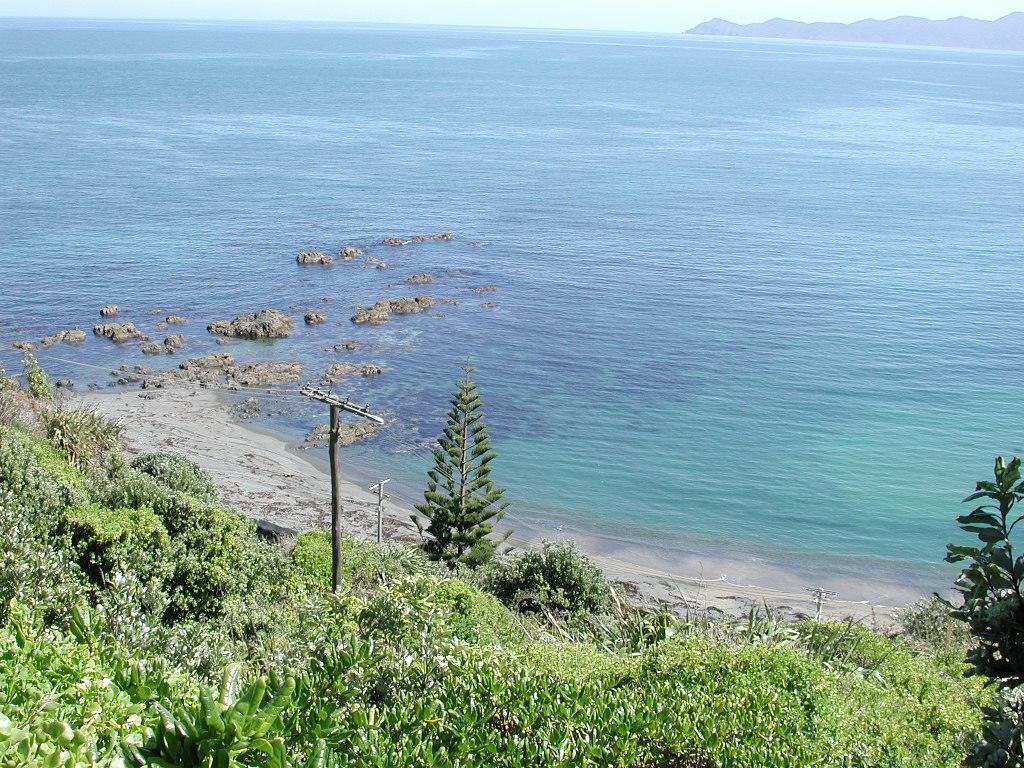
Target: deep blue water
759 301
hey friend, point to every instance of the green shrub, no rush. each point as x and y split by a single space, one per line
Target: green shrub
38 381
930 628
557 577
41 485
476 617
363 563
177 473
218 557
87 439
111 540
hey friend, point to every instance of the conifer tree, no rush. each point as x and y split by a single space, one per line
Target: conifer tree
462 503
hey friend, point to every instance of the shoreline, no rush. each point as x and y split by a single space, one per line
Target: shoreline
268 478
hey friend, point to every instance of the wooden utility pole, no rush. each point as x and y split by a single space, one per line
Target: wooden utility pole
381 496
819 597
337 404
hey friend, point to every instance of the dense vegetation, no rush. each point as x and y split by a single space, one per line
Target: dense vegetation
144 623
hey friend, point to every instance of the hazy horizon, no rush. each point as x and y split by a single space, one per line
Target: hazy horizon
649 16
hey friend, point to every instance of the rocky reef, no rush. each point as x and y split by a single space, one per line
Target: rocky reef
110 310
381 312
315 257
265 324
315 318
119 333
348 434
339 371
70 336
426 277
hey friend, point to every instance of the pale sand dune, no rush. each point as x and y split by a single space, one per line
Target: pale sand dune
263 476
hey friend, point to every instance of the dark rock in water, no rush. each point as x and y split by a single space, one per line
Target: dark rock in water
395 241
247 409
350 252
315 318
381 266
437 236
152 349
72 336
264 374
119 332
489 304
349 434
486 289
175 320
381 312
174 342
450 302
327 299
110 310
315 257
64 384
426 277
339 371
346 346
265 324
23 346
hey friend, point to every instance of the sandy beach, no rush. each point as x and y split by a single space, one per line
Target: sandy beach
282 487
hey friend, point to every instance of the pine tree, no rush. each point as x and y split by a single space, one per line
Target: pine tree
462 503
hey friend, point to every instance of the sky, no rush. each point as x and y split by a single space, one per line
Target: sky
640 15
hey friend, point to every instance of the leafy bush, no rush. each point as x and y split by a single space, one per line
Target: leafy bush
363 564
177 473
42 486
38 381
476 617
87 439
558 577
218 557
930 628
112 540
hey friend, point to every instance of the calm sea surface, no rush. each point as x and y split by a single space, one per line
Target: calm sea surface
757 301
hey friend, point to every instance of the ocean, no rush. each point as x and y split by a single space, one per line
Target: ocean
758 303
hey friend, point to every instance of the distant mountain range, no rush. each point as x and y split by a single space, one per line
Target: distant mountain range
1005 34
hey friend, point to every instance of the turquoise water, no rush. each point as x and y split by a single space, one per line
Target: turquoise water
757 301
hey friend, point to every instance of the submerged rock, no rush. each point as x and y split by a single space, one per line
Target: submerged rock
395 241
64 384
118 332
23 346
174 342
380 312
350 252
175 320
348 434
381 266
152 349
110 310
489 304
437 236
315 318
339 371
315 257
265 324
346 346
485 289
71 336
426 277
